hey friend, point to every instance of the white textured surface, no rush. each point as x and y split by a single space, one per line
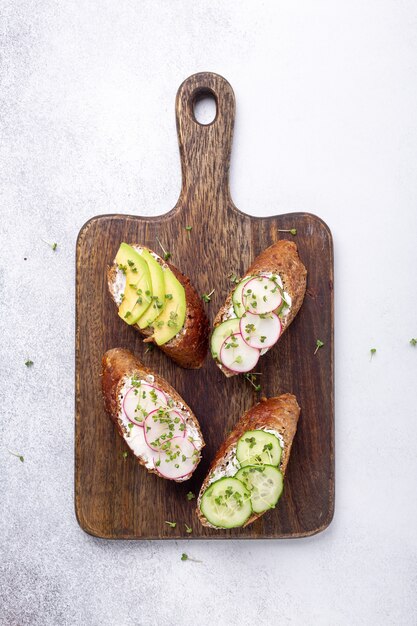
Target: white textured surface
326 122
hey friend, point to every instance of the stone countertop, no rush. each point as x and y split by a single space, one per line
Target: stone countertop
326 99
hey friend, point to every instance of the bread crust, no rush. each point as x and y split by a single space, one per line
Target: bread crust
280 258
117 364
189 347
280 413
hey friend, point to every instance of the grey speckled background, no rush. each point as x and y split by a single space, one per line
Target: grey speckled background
327 96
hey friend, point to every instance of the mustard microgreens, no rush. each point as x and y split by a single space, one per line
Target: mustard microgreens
167 255
319 344
171 524
372 352
28 363
413 341
252 379
293 231
190 496
188 529
207 296
19 456
51 245
234 278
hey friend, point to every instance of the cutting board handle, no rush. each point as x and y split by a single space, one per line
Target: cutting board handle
205 148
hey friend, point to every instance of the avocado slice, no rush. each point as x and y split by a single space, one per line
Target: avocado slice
137 296
172 318
158 290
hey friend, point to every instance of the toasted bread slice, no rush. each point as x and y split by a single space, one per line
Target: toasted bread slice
278 414
189 347
119 366
281 258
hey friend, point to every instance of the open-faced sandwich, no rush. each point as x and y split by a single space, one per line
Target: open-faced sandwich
155 422
156 299
259 309
247 475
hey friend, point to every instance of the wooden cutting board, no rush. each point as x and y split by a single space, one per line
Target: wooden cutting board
116 498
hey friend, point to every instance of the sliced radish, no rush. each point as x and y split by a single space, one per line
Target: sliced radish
178 460
261 295
260 331
237 355
160 426
142 400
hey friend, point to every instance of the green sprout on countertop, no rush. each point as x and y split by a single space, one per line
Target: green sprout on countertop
413 341
16 454
28 363
319 344
51 245
372 351
185 557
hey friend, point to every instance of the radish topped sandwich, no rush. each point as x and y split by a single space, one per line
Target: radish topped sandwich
259 309
246 477
155 422
156 299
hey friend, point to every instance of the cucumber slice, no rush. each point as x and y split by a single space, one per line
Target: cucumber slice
238 307
256 447
220 333
265 483
226 503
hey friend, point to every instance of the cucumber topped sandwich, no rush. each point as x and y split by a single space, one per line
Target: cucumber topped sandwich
156 299
259 309
246 478
154 421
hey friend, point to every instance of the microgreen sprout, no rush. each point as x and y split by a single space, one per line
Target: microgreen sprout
319 344
293 231
189 229
124 454
171 524
167 255
413 341
16 454
253 381
234 278
185 557
51 245
150 348
207 296
188 529
372 352
28 363
190 496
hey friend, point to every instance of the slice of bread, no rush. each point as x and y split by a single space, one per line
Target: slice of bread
189 347
279 414
118 365
281 258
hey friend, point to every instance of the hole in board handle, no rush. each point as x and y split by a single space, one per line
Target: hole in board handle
205 107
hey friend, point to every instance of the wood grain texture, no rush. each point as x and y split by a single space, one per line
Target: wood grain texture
114 497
